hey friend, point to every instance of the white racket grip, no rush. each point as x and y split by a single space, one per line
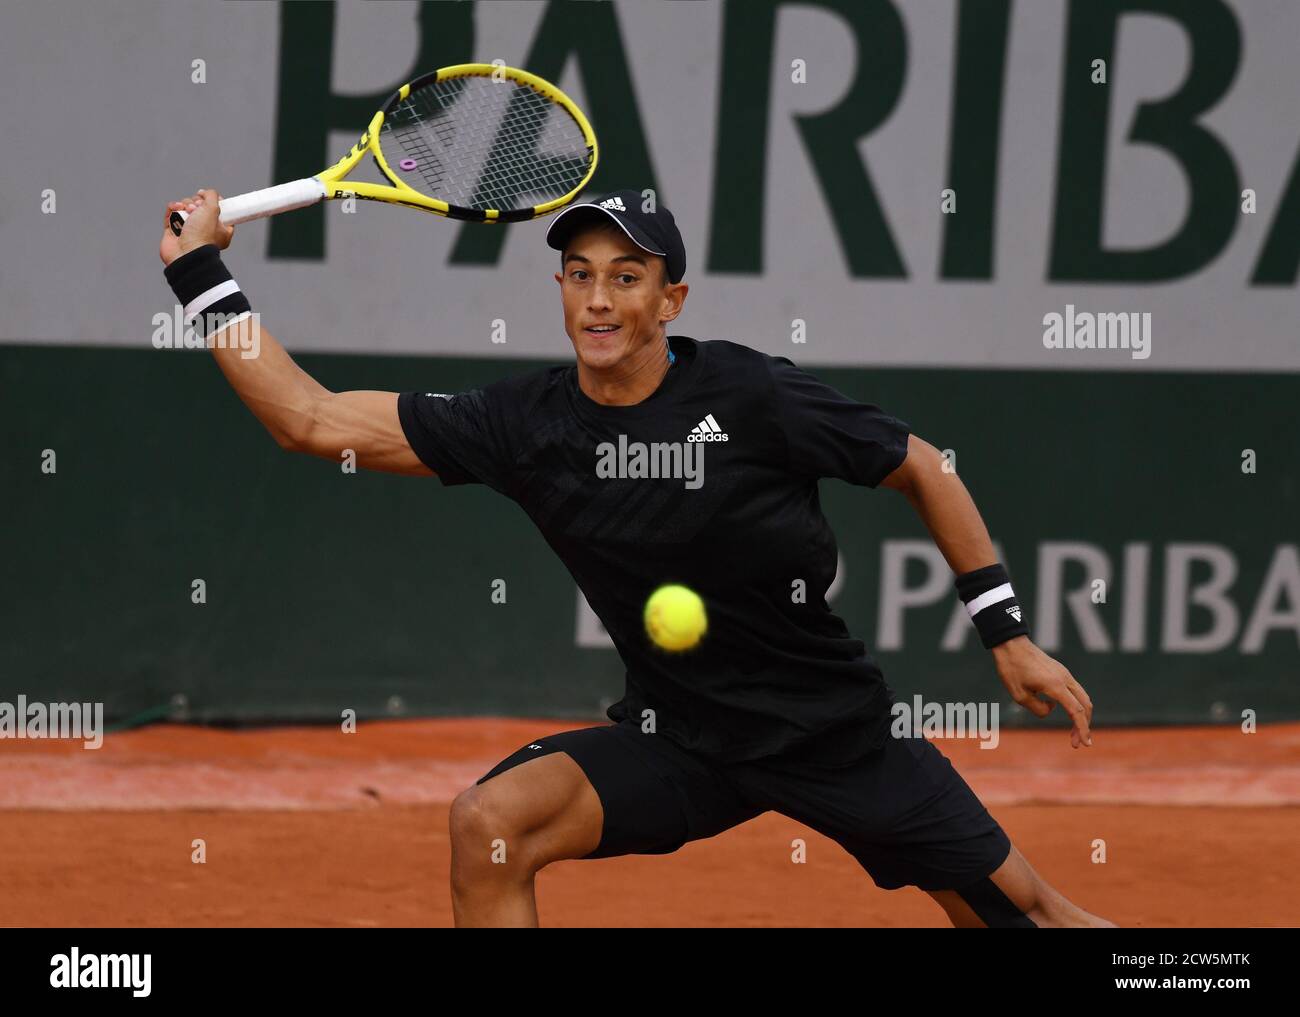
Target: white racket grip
259 204
271 200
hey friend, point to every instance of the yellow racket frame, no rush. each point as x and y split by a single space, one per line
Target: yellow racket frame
400 193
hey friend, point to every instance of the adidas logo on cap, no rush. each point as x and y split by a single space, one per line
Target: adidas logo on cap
707 430
616 203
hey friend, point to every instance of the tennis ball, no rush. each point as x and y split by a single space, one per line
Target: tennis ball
675 618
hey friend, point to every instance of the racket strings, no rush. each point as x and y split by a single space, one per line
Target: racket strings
516 166
479 143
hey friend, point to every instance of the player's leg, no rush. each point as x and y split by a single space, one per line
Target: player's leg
1014 890
592 793
959 912
505 830
909 819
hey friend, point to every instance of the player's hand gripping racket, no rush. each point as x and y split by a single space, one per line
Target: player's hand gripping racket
480 142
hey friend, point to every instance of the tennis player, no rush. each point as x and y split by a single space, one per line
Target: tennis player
779 707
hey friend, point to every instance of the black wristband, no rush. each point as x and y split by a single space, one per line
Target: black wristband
992 604
204 286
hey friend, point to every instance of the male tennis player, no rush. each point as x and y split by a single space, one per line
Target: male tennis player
656 459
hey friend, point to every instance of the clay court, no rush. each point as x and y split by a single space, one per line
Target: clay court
313 827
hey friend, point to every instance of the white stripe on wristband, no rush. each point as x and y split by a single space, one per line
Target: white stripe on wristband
236 319
209 297
989 597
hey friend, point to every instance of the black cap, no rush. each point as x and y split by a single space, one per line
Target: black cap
655 232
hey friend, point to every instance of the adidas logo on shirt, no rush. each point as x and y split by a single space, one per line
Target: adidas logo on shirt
707 430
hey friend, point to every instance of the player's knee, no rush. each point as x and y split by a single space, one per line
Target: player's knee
486 837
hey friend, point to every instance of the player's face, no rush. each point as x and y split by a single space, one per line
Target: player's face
616 299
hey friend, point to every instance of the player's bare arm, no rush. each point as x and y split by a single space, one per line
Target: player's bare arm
930 483
300 413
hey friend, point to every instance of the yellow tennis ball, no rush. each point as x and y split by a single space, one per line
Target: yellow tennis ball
675 618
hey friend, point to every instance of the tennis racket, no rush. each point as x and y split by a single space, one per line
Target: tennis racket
479 142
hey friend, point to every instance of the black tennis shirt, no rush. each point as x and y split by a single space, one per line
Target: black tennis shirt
776 671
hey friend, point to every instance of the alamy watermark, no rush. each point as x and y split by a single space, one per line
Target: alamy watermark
638 460
1083 330
241 331
75 970
919 719
77 721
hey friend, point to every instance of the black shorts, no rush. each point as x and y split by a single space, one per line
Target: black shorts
902 811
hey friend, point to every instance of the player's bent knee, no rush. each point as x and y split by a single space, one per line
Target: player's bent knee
485 838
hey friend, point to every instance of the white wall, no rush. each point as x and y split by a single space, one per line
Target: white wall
98 105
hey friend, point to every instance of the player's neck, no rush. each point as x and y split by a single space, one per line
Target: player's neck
632 381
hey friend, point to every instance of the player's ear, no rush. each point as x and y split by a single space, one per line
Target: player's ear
674 297
559 278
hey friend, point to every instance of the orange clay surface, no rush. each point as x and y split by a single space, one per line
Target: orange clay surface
311 826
